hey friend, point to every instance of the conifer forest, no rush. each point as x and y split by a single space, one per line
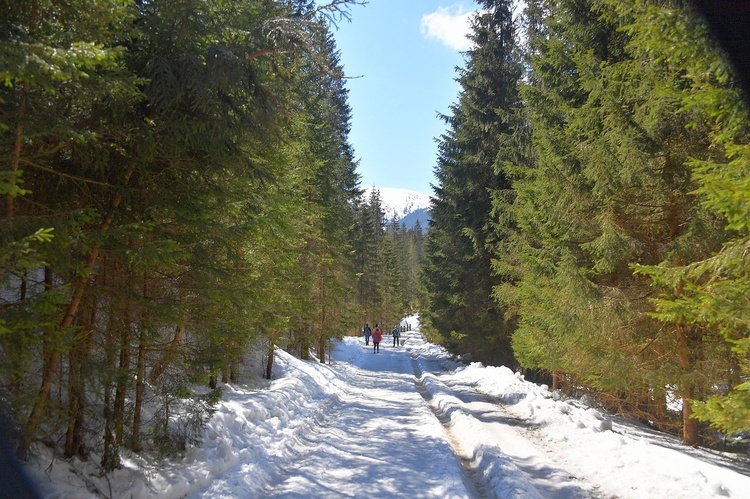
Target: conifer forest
179 192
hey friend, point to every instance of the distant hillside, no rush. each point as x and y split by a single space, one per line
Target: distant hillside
422 214
404 205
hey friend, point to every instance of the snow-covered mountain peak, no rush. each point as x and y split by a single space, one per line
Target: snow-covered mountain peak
398 203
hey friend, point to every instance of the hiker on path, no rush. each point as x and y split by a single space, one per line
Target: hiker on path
368 332
396 335
376 337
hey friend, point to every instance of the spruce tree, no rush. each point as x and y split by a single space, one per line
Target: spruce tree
158 156
611 187
462 237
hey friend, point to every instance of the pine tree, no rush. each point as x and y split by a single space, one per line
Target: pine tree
611 187
462 237
703 296
157 161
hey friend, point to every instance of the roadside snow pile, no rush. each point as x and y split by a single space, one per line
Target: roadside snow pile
249 426
493 409
517 439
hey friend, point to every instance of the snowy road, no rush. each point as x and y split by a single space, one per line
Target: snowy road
378 438
410 422
392 429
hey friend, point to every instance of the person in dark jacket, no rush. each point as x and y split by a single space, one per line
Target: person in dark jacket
396 335
368 332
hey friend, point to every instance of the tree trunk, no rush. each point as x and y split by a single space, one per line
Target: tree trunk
234 371
321 339
139 388
304 347
24 285
321 349
168 356
690 431
74 444
269 361
555 380
122 379
51 357
140 383
111 454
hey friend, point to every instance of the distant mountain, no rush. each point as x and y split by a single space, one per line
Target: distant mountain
422 214
404 205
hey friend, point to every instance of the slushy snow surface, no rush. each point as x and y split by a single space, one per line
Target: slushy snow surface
410 422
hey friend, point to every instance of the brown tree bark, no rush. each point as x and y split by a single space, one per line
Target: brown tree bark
111 455
140 383
139 388
269 360
321 340
74 444
122 378
18 143
690 430
169 354
555 380
51 358
234 371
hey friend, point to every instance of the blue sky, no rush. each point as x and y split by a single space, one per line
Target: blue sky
401 57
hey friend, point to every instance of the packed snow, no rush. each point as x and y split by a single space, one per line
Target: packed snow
410 421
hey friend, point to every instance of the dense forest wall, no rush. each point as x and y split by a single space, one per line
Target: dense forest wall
178 196
591 216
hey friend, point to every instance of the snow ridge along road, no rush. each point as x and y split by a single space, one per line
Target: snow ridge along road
410 422
366 426
498 456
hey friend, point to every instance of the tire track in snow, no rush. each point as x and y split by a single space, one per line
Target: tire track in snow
468 469
463 410
373 441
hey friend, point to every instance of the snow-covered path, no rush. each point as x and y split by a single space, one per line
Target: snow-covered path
373 441
409 422
394 429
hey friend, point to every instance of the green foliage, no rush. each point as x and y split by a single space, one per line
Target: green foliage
712 288
388 260
627 129
191 161
469 227
184 416
729 413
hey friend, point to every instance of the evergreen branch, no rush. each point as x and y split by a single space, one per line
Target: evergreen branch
66 175
257 53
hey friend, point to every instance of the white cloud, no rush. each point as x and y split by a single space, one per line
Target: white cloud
448 25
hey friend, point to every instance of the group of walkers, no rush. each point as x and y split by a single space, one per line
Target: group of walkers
377 336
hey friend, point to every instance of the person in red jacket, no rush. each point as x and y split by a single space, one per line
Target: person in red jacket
376 337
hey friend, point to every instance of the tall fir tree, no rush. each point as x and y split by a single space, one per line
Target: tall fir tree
611 187
462 237
160 162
